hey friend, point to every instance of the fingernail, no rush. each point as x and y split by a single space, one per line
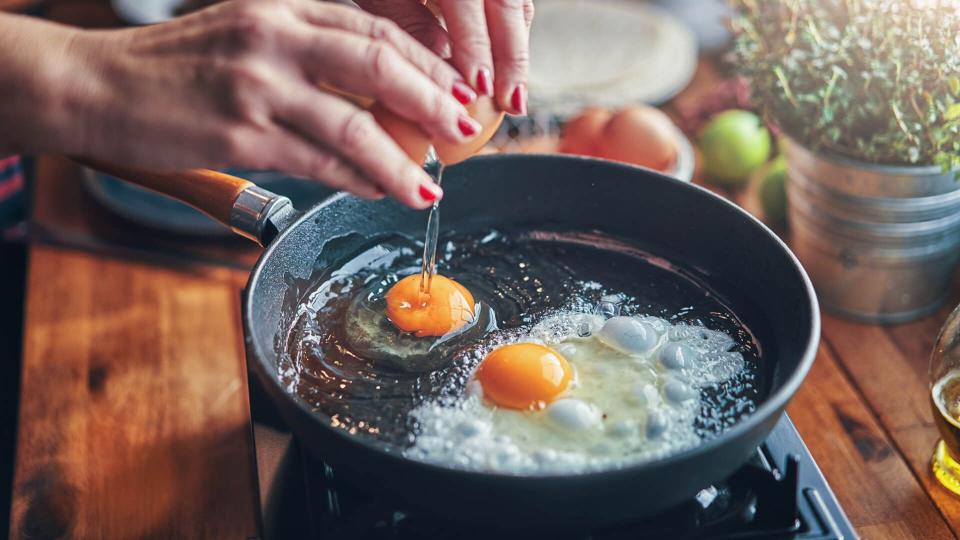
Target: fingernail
484 82
468 126
518 100
463 93
430 192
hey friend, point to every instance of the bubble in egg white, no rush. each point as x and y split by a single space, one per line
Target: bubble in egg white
658 324
701 338
545 455
610 305
623 428
603 448
472 427
573 414
612 298
587 325
720 366
657 424
629 335
678 391
677 356
645 395
507 457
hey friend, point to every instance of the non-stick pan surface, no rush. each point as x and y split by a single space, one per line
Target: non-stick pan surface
719 244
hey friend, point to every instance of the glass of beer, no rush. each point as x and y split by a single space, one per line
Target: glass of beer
945 402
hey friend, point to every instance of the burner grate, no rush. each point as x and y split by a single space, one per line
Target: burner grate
761 500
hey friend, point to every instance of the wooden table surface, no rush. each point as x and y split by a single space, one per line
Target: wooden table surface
135 421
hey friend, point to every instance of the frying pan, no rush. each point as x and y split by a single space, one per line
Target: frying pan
732 254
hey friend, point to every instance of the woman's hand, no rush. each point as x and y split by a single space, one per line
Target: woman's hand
238 84
488 40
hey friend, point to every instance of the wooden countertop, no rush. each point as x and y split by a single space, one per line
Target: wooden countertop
135 422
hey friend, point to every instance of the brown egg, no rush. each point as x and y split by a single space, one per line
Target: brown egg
582 133
484 111
640 135
415 141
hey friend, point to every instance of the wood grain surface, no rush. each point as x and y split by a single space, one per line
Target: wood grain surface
875 486
134 413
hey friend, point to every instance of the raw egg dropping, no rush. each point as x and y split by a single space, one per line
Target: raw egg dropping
446 307
523 376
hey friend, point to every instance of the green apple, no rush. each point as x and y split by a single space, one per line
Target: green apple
734 144
772 190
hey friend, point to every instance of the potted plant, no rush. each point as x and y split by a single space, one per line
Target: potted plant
866 95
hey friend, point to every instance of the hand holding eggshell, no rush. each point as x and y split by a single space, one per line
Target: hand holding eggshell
415 142
489 116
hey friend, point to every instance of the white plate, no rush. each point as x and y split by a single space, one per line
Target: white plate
608 53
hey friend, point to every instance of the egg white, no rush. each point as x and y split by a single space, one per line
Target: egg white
635 396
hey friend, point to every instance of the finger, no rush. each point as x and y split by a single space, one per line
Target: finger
470 41
374 68
279 147
293 154
357 139
510 40
414 18
355 21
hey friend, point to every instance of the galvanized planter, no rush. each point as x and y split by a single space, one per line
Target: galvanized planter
880 242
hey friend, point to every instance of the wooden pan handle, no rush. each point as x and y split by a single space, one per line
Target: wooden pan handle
209 191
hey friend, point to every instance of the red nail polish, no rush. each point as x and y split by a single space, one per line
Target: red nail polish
518 100
430 193
468 126
484 82
463 93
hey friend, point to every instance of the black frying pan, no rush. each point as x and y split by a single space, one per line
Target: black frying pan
719 244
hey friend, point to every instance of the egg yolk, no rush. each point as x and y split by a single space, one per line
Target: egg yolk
523 375
446 307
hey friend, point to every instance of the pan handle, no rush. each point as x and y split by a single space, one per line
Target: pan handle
248 210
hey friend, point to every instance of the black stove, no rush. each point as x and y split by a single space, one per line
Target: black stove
779 493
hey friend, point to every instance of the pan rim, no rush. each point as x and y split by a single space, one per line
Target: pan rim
774 402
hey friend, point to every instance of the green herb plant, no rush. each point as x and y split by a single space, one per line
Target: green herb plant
872 80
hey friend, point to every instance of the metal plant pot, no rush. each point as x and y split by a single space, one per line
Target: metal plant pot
880 242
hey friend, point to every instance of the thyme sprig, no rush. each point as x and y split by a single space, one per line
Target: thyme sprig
873 80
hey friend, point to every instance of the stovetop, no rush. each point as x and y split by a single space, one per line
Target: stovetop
779 493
